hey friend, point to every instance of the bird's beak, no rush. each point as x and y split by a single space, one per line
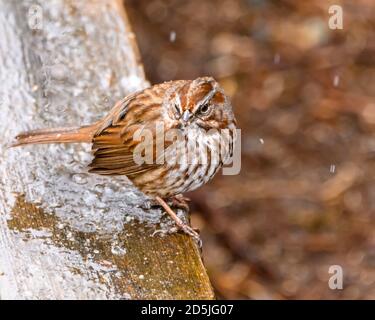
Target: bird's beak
186 116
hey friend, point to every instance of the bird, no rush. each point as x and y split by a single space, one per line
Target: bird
167 139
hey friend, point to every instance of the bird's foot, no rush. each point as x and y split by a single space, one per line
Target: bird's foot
192 233
180 202
180 224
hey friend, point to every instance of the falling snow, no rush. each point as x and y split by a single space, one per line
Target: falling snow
172 36
332 168
336 80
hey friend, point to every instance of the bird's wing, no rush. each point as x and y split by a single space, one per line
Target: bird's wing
114 143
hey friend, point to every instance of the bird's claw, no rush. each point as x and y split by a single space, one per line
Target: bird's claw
180 202
192 233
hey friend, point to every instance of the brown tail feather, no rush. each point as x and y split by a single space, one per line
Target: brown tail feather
56 135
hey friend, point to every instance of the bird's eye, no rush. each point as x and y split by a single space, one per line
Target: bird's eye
204 109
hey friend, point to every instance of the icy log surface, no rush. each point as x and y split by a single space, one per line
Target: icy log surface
66 234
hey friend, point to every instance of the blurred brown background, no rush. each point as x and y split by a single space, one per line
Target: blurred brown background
304 96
